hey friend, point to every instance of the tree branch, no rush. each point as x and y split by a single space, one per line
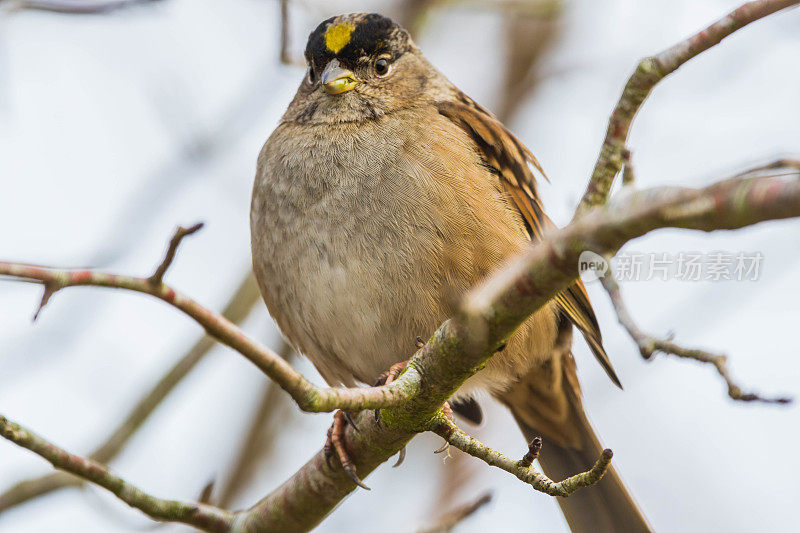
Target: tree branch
266 424
649 72
202 516
487 316
158 276
728 204
649 345
492 311
451 519
236 310
308 396
522 469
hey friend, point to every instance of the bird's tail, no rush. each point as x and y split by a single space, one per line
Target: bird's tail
547 403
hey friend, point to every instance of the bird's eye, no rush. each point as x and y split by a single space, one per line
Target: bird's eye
382 66
310 76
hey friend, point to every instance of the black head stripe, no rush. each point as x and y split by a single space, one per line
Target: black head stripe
349 37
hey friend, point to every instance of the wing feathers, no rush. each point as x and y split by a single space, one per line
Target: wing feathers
512 162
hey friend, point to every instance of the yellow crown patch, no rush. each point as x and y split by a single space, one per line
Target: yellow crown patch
337 36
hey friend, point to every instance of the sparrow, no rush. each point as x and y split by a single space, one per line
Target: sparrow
383 194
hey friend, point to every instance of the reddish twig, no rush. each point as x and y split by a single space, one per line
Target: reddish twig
787 167
308 396
158 276
47 292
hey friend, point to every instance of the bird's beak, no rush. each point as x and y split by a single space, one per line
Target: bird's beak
337 80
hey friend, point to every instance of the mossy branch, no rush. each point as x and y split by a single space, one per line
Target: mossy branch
205 517
522 468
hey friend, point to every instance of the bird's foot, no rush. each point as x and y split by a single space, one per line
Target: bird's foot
392 374
335 445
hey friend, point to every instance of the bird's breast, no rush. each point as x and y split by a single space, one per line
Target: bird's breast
362 236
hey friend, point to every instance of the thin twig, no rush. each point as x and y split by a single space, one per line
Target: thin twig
649 72
451 519
158 276
48 291
790 166
532 454
286 58
522 469
259 438
649 345
528 40
199 515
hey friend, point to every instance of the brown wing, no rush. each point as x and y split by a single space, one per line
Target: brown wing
512 162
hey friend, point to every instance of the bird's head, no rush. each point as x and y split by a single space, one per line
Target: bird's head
360 66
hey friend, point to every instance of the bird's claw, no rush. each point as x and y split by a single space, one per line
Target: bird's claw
335 445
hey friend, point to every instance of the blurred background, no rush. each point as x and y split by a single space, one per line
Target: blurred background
117 126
